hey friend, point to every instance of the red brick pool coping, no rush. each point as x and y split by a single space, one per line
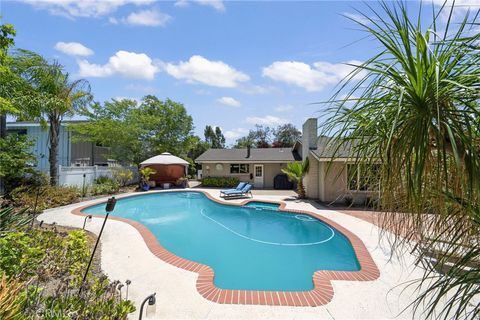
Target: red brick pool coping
321 294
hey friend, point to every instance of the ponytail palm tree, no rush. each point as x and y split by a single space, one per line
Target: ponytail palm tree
416 109
54 96
296 171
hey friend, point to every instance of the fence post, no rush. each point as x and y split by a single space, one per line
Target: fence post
59 175
95 172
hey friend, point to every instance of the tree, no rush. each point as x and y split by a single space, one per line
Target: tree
244 142
53 97
416 110
285 136
260 137
214 138
7 34
296 171
16 159
135 132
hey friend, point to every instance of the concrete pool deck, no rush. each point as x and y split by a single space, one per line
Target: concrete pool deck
126 256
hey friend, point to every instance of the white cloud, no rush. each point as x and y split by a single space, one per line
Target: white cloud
216 4
284 108
267 120
311 78
83 8
460 8
357 17
200 70
151 18
256 89
235 133
124 63
229 101
73 49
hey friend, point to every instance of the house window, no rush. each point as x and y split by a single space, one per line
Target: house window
363 177
239 168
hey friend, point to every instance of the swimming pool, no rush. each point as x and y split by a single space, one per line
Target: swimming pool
248 249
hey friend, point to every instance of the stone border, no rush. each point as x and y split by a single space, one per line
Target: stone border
321 294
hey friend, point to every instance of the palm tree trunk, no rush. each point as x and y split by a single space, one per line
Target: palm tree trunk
301 189
53 154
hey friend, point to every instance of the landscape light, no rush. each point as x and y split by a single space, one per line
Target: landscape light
108 208
151 301
89 218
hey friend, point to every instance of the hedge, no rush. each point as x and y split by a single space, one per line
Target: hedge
223 182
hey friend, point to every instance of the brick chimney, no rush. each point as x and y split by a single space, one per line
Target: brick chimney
309 136
248 151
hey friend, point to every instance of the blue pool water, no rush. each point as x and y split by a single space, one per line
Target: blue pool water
248 249
262 205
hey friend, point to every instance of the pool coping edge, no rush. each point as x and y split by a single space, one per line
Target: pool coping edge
321 294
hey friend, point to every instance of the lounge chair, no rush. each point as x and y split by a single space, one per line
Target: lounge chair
240 186
245 191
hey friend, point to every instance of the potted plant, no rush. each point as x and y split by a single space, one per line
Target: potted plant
145 178
182 182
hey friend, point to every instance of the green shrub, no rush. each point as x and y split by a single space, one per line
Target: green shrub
104 185
122 176
49 196
104 180
222 182
47 258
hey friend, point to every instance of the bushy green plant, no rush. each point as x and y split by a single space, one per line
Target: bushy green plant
122 176
16 159
57 258
220 182
104 185
146 173
49 196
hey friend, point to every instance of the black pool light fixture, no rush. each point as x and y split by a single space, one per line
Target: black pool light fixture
108 208
151 301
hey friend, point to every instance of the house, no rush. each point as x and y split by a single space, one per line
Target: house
333 176
259 166
70 153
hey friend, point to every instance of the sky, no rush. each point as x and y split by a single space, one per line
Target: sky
232 64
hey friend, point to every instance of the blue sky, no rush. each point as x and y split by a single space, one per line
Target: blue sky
232 64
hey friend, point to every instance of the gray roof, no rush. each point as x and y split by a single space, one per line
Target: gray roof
256 155
328 148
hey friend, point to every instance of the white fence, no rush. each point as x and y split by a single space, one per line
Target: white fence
77 176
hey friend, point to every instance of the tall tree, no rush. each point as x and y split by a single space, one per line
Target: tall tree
135 132
285 136
416 110
214 137
55 95
7 34
260 137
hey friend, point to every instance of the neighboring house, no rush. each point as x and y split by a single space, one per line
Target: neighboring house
69 153
330 179
333 176
259 166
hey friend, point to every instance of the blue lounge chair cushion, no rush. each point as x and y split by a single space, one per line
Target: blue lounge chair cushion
244 190
240 186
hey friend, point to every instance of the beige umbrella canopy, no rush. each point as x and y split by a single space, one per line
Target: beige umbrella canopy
168 168
164 158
